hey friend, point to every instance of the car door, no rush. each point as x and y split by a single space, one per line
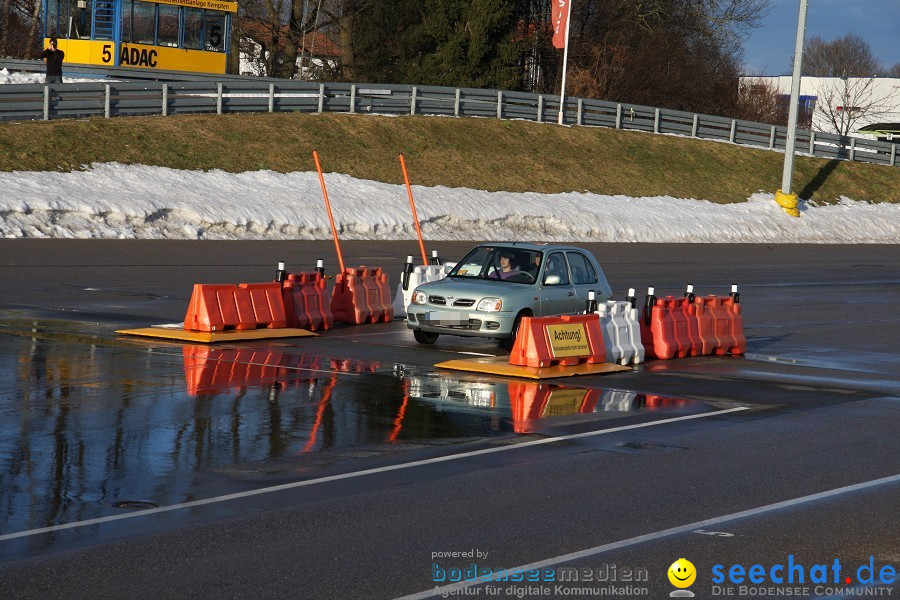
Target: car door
556 292
584 279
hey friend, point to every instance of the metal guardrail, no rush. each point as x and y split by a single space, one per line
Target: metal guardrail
113 99
124 73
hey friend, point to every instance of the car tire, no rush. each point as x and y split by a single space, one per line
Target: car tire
509 342
425 337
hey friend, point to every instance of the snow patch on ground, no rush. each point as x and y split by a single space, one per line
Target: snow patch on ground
142 202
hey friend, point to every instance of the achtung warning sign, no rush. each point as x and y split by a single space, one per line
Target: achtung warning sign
563 402
568 340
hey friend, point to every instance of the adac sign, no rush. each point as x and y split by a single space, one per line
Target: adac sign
159 57
138 57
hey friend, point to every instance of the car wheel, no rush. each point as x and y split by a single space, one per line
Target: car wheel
509 342
425 337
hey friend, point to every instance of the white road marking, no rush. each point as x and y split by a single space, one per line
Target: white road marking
449 589
715 533
309 482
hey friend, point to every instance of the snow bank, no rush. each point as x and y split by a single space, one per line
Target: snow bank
118 201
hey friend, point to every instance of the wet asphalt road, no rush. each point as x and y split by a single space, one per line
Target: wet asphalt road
387 466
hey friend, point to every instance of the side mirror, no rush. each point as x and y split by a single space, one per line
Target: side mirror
552 280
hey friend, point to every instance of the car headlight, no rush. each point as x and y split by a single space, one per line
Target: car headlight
419 297
489 304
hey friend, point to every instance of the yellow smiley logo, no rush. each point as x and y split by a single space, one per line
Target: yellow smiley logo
682 573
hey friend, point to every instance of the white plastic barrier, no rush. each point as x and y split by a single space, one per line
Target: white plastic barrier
615 400
621 332
418 276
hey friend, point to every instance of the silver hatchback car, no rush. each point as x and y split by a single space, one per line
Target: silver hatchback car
488 292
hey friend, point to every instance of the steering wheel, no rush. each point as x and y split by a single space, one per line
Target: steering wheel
525 275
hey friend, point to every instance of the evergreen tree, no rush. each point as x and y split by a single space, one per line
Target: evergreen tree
388 41
465 43
476 43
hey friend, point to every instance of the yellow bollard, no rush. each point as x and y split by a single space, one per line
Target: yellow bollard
788 203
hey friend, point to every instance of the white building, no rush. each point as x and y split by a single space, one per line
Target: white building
843 105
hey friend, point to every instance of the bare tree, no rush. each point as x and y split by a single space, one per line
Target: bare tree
5 10
35 7
843 102
893 71
757 101
655 51
19 21
339 16
849 56
726 20
281 33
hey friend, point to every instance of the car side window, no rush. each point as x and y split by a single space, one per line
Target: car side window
582 270
556 273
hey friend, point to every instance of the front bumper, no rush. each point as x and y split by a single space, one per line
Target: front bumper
459 322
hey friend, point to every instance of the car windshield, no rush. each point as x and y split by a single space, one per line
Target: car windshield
502 263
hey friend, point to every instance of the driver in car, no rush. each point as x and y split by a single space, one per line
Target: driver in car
507 269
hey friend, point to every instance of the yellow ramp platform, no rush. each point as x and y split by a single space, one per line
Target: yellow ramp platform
499 365
176 332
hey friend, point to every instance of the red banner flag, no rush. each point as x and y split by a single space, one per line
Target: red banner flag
560 15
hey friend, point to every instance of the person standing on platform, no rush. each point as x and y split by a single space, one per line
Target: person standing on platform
54 58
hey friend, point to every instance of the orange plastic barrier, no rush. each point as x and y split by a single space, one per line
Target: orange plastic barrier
295 300
381 297
353 366
706 327
305 302
348 298
219 307
566 340
209 370
692 329
367 278
199 368
531 401
723 322
732 305
721 318
658 337
679 328
239 307
672 307
524 403
267 303
300 369
653 401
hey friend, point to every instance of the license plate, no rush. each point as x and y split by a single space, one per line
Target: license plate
445 317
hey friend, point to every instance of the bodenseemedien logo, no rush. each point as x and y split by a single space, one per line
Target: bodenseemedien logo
682 574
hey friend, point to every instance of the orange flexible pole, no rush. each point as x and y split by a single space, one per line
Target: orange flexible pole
412 204
337 244
398 422
320 412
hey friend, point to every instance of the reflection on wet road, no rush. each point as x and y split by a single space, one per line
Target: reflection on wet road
90 425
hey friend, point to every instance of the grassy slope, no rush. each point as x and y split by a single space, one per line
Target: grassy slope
476 153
